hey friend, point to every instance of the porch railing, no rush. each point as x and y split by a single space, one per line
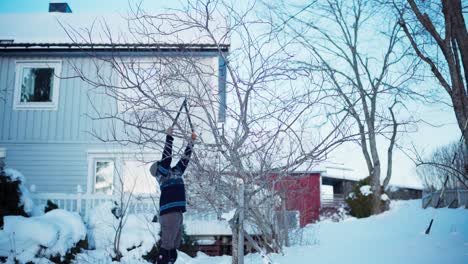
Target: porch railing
82 203
332 200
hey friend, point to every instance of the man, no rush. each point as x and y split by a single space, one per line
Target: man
172 201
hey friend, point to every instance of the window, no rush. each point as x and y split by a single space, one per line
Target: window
104 176
37 85
123 172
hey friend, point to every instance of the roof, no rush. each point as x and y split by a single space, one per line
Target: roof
97 31
71 47
347 174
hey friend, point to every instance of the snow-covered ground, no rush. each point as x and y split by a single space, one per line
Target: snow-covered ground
396 236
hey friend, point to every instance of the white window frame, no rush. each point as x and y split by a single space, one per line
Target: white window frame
92 160
20 65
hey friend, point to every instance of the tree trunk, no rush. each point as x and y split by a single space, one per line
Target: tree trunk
235 242
240 225
376 191
284 227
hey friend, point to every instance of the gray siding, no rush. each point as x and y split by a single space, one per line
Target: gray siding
68 123
51 167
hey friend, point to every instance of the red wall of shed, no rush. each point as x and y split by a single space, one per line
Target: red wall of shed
302 194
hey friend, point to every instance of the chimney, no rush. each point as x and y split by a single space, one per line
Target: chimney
59 7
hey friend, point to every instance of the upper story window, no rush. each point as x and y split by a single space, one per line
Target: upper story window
37 85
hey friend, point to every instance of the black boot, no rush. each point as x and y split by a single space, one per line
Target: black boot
163 256
173 256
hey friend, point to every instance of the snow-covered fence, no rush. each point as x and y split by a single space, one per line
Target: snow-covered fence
82 202
453 198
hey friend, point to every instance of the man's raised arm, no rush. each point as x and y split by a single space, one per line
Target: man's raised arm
184 161
167 152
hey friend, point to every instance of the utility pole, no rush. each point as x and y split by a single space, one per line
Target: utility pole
240 247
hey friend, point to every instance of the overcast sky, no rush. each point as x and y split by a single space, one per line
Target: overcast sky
427 138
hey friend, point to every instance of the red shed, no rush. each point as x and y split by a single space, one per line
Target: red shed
302 193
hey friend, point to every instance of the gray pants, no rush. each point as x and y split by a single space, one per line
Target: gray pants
171 230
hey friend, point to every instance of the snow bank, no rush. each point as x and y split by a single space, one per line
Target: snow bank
51 234
139 233
396 236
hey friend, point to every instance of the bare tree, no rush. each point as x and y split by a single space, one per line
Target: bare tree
434 27
362 64
446 161
268 119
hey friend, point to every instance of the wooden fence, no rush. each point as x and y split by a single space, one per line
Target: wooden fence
451 198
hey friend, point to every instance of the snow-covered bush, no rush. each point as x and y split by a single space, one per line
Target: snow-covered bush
15 198
50 235
360 199
139 233
360 204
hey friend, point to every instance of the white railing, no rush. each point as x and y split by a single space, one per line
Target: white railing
82 202
332 200
457 198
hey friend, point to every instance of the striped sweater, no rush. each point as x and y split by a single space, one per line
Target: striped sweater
170 179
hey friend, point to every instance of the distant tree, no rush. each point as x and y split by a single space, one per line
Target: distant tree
362 64
446 161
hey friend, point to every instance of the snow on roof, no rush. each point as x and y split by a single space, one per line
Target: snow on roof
105 29
344 173
329 171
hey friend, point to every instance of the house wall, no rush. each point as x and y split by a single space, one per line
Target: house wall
51 167
51 147
302 193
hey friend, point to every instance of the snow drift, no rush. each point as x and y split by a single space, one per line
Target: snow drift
396 236
52 234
